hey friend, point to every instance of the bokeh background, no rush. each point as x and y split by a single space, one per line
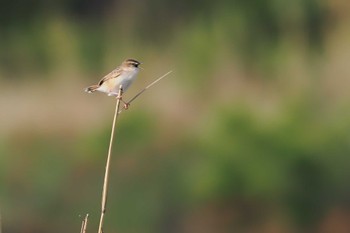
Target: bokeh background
251 133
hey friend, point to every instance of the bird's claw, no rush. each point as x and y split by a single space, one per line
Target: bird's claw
126 106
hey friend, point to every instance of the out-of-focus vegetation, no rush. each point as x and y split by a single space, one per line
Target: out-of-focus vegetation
250 134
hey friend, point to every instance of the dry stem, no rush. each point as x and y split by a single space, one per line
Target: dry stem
106 178
83 224
144 89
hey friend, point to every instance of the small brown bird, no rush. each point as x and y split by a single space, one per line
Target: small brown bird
123 75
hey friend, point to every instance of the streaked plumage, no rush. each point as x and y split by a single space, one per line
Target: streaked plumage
123 75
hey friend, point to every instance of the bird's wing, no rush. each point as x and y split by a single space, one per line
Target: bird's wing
114 74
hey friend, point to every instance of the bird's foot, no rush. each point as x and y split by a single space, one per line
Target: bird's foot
126 105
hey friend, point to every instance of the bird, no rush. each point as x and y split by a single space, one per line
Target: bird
123 76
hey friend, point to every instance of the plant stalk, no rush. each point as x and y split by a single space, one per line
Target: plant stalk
106 177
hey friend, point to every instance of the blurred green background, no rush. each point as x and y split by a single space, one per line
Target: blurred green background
251 133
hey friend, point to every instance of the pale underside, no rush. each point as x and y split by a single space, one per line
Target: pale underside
111 83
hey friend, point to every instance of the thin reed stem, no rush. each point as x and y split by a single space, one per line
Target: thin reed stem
106 177
148 86
84 224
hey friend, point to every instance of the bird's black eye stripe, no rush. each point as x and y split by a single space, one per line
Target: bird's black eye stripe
136 64
133 62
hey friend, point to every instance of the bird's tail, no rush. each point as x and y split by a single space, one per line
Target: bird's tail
91 88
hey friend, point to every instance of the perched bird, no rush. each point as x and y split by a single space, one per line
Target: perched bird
123 75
